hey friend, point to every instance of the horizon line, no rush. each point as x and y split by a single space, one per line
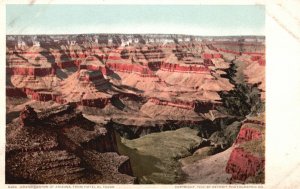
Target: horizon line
194 35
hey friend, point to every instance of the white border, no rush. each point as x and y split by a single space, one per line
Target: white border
282 89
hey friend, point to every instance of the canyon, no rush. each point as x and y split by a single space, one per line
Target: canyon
90 105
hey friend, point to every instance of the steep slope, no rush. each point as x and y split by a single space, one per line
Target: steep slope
60 146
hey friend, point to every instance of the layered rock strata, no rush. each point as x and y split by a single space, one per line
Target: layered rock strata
247 162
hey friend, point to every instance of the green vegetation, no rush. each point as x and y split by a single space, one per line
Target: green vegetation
258 178
255 147
154 157
243 100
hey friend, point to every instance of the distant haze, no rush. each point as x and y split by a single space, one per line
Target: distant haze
209 20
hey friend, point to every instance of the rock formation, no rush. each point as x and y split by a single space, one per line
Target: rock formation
63 147
247 162
28 116
100 87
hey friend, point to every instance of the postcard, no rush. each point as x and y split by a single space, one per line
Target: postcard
113 95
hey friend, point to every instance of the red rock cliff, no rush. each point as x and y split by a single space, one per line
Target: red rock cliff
242 164
247 158
183 68
34 71
248 134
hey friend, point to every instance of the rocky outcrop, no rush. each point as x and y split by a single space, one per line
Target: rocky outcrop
210 56
65 64
15 92
260 59
52 116
248 134
242 165
55 166
179 104
115 168
33 94
28 116
154 53
99 102
103 69
34 71
94 63
145 71
197 106
44 96
247 159
205 106
230 51
141 70
86 88
171 67
127 129
60 146
254 72
226 136
89 76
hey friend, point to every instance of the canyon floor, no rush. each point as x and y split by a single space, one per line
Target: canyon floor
135 109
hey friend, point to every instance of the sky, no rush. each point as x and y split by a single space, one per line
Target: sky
212 20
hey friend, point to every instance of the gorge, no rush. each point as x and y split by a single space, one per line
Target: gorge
129 109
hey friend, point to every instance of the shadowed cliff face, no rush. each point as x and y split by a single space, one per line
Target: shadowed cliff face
42 147
165 101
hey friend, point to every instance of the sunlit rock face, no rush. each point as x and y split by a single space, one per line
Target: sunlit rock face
247 161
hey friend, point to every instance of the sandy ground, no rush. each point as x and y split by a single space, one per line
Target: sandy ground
210 170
